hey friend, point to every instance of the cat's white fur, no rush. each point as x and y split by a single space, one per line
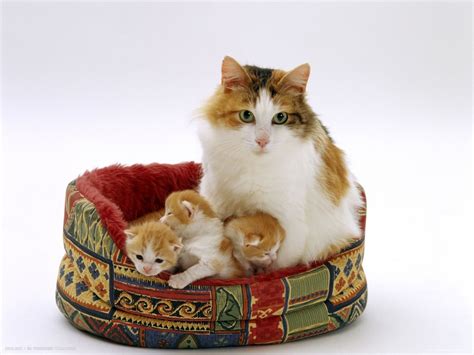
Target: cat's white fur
201 242
282 180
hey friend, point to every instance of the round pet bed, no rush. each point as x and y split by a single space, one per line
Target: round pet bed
99 290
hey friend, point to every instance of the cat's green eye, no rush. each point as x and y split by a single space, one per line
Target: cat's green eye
246 116
139 257
280 118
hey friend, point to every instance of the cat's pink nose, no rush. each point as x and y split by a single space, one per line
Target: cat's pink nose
262 141
147 268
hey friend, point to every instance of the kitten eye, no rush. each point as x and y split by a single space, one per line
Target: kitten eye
246 116
139 257
158 260
280 118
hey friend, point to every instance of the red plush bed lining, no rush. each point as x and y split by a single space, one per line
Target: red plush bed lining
122 194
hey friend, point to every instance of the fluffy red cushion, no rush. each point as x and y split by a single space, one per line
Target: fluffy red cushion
122 194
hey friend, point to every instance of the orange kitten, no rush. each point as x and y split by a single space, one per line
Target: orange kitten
256 240
152 246
206 252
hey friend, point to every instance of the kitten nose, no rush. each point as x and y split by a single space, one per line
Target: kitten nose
262 141
147 268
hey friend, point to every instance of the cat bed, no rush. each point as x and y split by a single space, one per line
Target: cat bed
99 290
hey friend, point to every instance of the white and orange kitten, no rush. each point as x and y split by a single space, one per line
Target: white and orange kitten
256 240
152 246
206 252
264 149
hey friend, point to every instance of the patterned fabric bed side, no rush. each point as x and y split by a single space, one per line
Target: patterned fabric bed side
99 291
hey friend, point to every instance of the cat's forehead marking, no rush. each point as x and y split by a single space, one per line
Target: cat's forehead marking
260 76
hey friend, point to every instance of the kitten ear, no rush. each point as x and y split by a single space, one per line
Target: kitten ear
177 246
188 206
295 81
233 75
129 234
252 240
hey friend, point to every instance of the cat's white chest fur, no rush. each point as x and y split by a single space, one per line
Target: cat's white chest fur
237 182
283 183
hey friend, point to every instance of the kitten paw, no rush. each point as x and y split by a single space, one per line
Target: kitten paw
177 281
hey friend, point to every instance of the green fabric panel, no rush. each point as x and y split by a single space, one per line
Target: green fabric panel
229 302
87 229
310 317
308 288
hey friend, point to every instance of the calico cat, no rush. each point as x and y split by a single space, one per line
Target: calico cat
256 240
264 149
152 246
206 252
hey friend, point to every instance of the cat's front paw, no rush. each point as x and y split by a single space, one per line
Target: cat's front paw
178 281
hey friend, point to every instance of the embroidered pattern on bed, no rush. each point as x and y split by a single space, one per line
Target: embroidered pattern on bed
99 291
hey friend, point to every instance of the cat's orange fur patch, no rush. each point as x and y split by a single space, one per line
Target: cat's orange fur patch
226 248
225 245
174 205
222 109
334 174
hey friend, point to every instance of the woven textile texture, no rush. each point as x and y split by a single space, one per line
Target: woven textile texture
99 290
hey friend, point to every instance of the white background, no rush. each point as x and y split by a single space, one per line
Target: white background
89 84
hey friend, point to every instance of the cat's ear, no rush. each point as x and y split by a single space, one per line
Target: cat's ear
177 246
252 240
295 80
233 75
129 234
189 208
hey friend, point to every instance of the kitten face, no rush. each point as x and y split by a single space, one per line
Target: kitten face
263 110
259 250
153 247
183 208
258 236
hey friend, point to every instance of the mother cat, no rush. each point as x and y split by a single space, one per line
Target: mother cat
264 149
